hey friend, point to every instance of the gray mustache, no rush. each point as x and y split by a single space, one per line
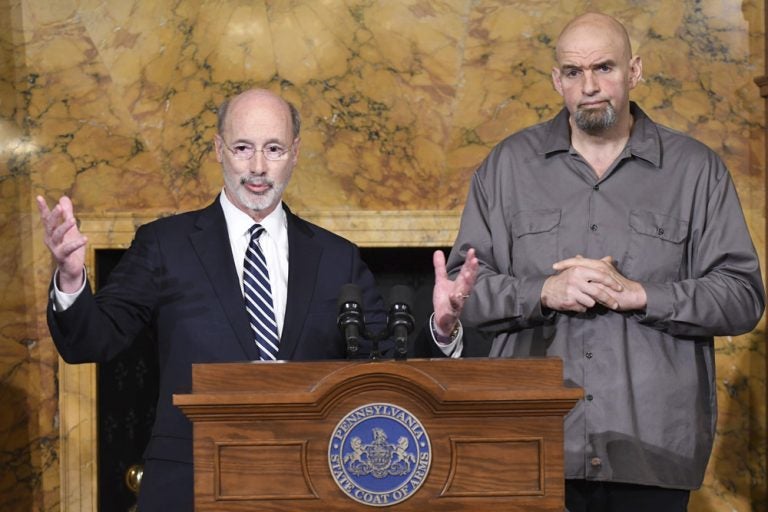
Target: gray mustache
255 181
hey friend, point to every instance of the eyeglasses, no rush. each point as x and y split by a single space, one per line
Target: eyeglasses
272 152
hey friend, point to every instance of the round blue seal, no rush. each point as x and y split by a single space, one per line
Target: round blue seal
379 454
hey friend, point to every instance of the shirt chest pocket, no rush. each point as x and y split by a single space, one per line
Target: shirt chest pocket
534 241
656 247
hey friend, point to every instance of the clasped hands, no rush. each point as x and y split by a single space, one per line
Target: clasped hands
581 283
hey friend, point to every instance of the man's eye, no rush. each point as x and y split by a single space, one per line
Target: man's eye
273 149
240 148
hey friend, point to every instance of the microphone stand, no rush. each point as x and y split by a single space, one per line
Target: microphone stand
351 322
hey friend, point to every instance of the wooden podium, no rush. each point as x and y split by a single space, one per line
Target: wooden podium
460 434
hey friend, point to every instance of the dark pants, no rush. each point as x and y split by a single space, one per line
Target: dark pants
166 486
589 496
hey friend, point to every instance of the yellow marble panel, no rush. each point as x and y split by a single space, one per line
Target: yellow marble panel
114 103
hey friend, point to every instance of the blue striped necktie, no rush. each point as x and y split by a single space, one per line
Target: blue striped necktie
258 297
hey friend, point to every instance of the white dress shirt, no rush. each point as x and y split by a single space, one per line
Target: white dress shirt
273 243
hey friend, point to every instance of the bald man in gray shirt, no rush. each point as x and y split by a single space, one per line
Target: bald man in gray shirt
618 245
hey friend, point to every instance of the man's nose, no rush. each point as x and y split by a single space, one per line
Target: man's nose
591 84
257 163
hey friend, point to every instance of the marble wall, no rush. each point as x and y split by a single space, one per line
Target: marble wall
113 102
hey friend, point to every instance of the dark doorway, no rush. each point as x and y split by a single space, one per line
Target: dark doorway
127 394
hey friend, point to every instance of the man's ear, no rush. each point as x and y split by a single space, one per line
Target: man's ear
635 71
295 148
556 82
218 144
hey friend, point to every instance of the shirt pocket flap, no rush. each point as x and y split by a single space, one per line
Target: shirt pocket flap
658 225
529 222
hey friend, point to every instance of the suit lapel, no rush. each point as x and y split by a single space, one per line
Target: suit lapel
211 243
304 256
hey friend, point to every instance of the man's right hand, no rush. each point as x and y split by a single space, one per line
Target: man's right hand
448 296
64 240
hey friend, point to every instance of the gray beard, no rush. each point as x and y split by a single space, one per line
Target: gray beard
250 201
595 121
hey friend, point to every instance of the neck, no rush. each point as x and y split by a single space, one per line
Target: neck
600 150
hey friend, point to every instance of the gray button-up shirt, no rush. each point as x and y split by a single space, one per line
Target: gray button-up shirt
667 212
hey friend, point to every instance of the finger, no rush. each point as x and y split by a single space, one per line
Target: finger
568 263
50 217
592 271
604 296
606 279
71 246
468 272
579 303
577 261
66 206
608 260
470 261
67 210
58 233
42 205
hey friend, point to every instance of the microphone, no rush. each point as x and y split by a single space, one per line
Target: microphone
399 320
350 319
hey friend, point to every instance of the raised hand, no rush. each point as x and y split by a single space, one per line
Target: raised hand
448 296
64 240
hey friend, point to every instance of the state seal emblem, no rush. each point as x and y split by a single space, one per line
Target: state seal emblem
379 454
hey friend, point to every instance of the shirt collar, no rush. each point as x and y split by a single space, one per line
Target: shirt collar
239 222
644 141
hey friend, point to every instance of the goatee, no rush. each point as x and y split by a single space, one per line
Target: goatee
595 121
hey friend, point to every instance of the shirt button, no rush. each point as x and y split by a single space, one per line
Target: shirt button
596 462
589 398
588 355
593 227
660 231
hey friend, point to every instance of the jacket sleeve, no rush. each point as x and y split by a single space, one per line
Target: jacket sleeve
98 327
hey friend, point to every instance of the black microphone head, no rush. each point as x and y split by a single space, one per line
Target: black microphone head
401 294
350 292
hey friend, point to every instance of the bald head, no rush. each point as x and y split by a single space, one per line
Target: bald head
263 98
591 24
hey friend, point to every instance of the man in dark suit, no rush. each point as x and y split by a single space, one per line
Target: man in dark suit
182 278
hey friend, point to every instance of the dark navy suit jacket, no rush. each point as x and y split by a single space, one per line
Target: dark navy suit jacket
178 279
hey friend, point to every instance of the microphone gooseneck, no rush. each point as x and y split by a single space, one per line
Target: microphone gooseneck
350 319
400 320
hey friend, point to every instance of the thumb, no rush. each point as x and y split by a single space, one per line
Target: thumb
438 261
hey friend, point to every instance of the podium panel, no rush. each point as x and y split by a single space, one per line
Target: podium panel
416 435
